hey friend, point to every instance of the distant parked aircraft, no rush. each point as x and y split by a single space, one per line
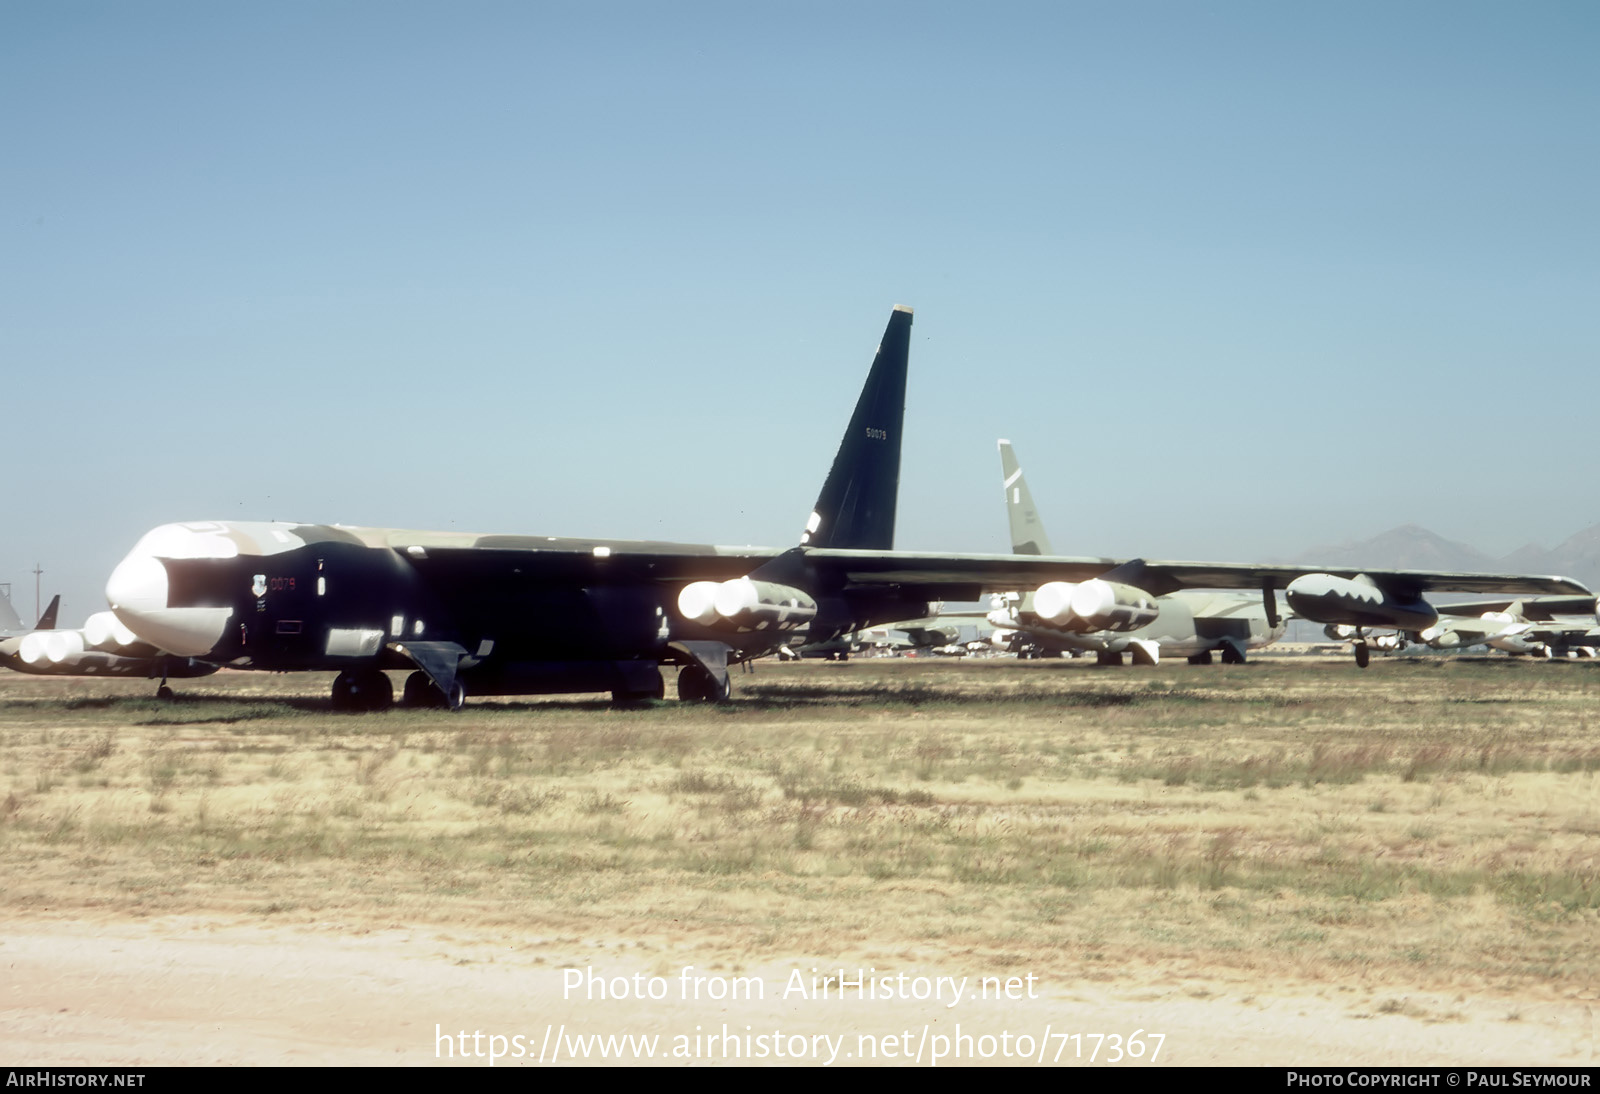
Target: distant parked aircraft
1192 624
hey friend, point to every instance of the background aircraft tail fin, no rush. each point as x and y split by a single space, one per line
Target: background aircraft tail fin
1027 530
9 621
856 508
47 621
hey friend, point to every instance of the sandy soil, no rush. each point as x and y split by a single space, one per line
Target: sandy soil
190 990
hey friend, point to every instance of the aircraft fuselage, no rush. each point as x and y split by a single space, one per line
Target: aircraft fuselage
517 614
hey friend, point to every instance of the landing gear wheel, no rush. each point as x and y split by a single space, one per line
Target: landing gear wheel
1363 655
362 690
421 692
164 692
695 685
1231 655
623 698
691 685
1106 657
1201 658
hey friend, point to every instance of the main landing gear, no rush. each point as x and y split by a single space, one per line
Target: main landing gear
1229 651
362 690
704 678
422 693
369 690
695 684
634 696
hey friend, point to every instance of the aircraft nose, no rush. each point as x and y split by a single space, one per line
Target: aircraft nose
138 584
137 593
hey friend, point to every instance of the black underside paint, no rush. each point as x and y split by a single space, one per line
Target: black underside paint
523 632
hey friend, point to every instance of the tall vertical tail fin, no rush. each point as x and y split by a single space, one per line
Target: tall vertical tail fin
47 621
1027 530
856 508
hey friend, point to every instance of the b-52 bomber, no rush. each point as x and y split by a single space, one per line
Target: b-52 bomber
519 614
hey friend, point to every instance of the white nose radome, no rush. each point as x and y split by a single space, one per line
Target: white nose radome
138 584
137 593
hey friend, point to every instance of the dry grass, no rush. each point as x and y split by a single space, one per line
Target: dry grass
1432 820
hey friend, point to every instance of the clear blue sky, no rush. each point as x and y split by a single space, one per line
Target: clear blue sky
1236 278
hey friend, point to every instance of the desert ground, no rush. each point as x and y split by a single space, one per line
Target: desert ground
889 861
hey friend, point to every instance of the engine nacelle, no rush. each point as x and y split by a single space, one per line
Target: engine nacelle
1108 606
698 602
31 648
50 647
60 645
1442 637
1519 643
1358 601
1094 605
103 630
1052 602
745 605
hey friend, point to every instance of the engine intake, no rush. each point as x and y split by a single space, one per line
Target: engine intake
1094 606
1108 606
745 605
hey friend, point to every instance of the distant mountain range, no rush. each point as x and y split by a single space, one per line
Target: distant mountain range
1413 548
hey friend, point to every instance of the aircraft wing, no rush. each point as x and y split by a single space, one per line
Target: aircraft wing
492 560
952 576
1573 635
530 559
969 576
1474 629
1228 575
1533 609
